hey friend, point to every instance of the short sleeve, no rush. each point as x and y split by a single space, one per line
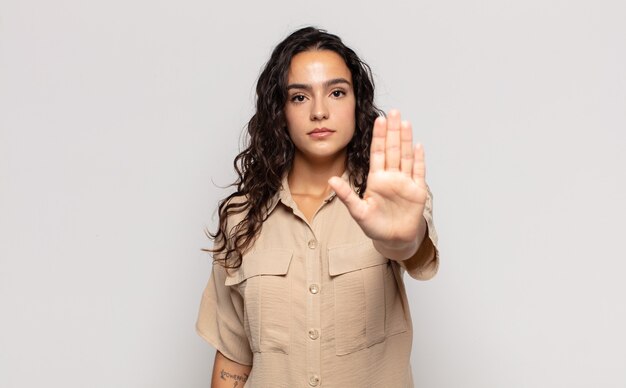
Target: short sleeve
220 319
425 263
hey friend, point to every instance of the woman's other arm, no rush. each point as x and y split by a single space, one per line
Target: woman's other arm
228 373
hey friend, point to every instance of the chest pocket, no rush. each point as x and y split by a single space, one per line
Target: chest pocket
266 289
368 306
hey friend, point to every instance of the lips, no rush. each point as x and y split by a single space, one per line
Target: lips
320 130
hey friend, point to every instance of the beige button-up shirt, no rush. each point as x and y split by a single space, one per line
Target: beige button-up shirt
315 304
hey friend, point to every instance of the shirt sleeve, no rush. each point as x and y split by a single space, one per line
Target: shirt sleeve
425 263
220 319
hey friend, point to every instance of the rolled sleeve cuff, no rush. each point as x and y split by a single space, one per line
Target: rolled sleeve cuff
220 319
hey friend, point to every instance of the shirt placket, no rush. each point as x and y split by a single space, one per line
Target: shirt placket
313 305
314 335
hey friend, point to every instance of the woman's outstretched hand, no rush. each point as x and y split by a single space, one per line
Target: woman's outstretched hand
391 211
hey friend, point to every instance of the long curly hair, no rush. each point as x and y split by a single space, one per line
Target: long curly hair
269 150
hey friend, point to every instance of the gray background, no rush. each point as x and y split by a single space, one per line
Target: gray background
119 119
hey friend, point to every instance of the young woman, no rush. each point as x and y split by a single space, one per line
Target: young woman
331 209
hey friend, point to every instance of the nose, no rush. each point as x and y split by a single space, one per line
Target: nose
319 110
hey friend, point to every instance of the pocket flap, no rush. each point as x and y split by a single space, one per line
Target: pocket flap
352 257
262 262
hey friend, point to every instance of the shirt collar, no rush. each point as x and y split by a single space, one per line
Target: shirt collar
284 194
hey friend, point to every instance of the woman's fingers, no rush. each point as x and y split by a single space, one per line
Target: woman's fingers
392 147
377 149
419 165
406 149
392 141
356 206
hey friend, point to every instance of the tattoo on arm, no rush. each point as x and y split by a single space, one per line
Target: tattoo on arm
233 376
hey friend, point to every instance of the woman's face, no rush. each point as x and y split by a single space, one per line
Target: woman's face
320 107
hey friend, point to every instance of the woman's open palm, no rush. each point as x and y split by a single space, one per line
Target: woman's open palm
396 192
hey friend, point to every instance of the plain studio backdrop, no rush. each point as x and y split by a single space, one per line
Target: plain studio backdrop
119 121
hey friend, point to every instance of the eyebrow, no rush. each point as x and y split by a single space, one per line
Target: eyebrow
326 84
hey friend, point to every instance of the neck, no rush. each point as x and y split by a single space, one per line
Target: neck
308 177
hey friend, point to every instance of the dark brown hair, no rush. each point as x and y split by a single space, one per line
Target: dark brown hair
269 151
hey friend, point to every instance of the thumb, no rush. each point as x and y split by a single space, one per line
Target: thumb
355 205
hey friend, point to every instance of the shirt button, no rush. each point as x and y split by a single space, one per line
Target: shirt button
312 244
314 334
314 289
314 380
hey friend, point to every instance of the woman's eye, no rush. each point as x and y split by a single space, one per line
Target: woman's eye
338 93
297 98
